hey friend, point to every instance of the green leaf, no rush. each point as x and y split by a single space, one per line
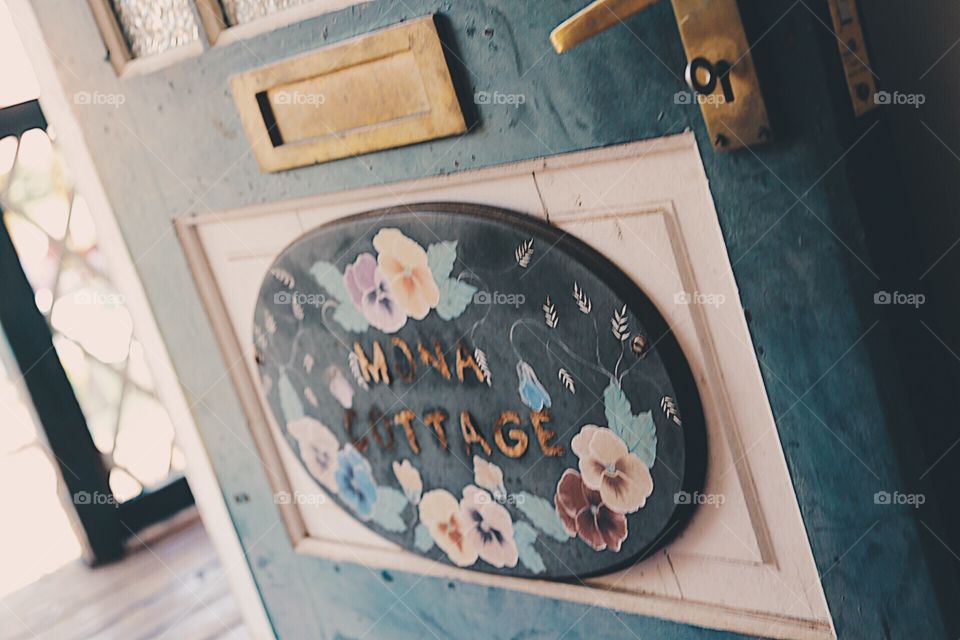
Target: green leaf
440 259
329 277
524 536
542 514
290 404
350 318
422 539
386 510
637 431
455 296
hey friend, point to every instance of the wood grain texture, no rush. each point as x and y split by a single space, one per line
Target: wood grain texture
177 146
174 589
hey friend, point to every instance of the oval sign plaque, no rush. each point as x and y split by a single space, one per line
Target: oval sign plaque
481 389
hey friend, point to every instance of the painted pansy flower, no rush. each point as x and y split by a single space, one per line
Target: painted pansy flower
370 292
488 476
355 482
607 466
318 449
404 264
340 388
583 513
440 513
409 479
531 391
489 528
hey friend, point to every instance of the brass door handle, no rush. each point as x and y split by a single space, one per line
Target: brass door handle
592 19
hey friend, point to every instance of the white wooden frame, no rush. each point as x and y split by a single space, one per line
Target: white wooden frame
745 566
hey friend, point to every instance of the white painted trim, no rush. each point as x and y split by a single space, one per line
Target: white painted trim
200 472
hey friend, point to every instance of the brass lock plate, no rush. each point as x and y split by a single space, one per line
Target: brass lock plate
853 53
721 73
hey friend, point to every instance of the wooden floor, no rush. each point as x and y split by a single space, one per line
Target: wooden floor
173 590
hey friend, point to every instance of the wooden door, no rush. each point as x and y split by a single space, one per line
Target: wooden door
599 147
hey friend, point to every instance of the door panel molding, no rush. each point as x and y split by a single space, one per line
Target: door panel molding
744 565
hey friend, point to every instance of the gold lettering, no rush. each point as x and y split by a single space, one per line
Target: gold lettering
405 419
399 344
375 417
435 419
435 360
538 418
521 440
359 444
377 371
471 435
464 360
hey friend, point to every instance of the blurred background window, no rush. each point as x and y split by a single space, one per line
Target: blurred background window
39 537
90 329
55 238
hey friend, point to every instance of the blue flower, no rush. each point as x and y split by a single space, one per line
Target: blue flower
355 482
531 391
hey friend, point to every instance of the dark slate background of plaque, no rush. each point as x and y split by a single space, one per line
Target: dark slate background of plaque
487 243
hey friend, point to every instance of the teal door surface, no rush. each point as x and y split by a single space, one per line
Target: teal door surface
175 147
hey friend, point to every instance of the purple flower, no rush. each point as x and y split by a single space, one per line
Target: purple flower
370 292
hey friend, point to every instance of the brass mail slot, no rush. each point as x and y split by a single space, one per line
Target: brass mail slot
378 91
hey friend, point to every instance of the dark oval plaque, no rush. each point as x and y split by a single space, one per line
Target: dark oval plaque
481 389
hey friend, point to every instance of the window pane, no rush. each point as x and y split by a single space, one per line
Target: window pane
154 26
241 11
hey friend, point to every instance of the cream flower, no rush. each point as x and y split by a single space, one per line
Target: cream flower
489 476
404 264
440 513
409 479
607 466
489 528
318 449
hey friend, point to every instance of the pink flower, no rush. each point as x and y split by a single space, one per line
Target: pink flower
622 479
370 292
489 528
584 514
404 264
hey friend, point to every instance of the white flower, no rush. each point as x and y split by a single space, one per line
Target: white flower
409 479
318 449
489 476
440 513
